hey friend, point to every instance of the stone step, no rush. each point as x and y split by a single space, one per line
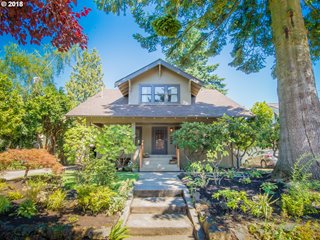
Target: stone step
158 205
157 193
159 224
164 237
159 169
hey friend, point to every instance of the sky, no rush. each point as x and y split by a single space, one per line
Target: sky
121 55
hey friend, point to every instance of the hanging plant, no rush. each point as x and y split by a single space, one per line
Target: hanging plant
166 26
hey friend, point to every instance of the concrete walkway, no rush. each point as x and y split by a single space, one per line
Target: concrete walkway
10 175
159 209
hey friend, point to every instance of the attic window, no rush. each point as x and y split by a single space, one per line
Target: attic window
159 93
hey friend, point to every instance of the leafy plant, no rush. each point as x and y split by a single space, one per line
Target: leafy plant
118 232
73 218
27 209
15 195
269 187
56 200
3 185
261 206
94 198
234 199
245 180
5 204
231 173
254 173
166 26
34 188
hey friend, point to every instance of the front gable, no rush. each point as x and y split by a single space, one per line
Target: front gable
159 75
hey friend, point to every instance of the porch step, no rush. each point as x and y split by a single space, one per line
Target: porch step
145 193
164 237
158 205
159 224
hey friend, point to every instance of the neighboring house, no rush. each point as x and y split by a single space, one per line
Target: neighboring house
155 100
275 109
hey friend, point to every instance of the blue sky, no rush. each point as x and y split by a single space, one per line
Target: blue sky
112 36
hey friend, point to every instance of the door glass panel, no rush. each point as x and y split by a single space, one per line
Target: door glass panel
159 134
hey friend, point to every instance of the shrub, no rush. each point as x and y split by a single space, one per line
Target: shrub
5 204
261 206
15 195
269 187
234 199
254 173
30 158
94 198
118 232
56 200
77 144
3 185
114 143
99 171
27 209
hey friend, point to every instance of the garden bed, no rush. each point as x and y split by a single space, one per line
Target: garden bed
71 220
229 209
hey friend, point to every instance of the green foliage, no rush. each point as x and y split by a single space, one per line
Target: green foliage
234 199
230 173
167 26
15 195
114 142
11 111
5 204
73 219
269 187
96 199
292 205
99 171
268 130
261 206
254 173
33 189
77 142
245 180
3 185
56 200
27 209
118 232
86 77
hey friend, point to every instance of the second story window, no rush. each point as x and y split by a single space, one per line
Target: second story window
146 94
160 94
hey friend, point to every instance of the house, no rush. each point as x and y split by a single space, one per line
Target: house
155 100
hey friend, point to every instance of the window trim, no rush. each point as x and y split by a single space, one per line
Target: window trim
153 93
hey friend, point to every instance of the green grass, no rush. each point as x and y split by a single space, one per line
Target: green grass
69 178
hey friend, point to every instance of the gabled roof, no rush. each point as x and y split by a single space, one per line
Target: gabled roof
123 82
110 103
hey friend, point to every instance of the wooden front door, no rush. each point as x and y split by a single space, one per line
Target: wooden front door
159 140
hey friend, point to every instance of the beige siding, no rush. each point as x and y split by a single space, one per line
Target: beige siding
166 77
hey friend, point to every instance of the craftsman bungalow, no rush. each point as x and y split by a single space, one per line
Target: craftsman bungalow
155 100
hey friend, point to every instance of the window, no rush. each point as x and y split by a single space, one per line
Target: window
160 94
146 94
138 137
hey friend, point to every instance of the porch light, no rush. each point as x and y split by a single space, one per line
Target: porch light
171 130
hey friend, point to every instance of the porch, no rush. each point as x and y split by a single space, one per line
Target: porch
155 148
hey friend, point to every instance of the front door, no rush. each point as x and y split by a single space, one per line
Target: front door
159 140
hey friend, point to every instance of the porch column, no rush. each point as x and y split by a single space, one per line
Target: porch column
134 131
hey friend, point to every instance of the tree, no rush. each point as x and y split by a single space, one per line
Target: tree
30 158
267 130
288 29
86 78
195 64
33 20
240 135
45 115
11 112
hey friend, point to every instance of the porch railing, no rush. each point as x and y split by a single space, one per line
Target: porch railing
178 156
141 154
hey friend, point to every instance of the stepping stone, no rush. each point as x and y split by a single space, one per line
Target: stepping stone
159 224
164 237
158 205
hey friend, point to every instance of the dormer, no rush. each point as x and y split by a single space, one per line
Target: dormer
159 83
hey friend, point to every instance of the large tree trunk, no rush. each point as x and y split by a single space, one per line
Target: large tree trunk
298 100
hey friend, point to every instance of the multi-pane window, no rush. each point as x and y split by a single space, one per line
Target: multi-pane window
160 94
146 94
